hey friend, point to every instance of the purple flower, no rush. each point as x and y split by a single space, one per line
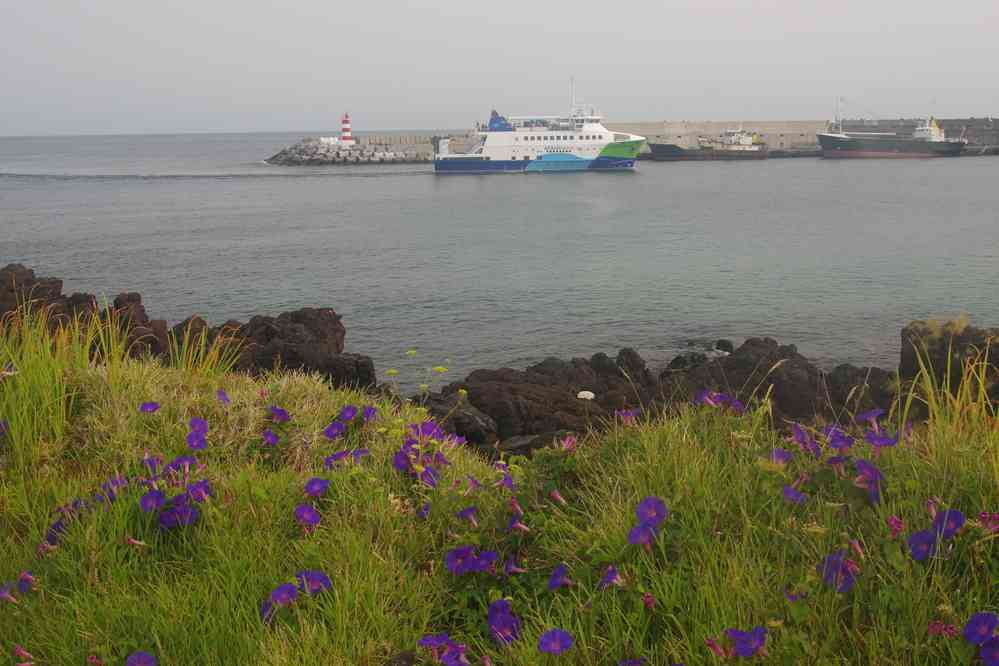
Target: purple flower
284 594
516 524
468 514
222 396
792 597
334 430
979 627
152 463
838 439
837 571
871 416
339 456
879 440
610 577
267 611
506 481
4 428
869 477
423 511
152 500
504 625
637 661
922 545
369 413
348 414
627 416
555 641
780 456
140 658
7 593
429 476
279 415
948 523
642 535
748 643
180 464
651 511
434 640
458 560
793 496
806 441
316 487
149 407
199 491
196 440
313 582
510 567
357 454
989 652
25 582
198 425
896 525
270 438
178 513
559 578
307 516
473 484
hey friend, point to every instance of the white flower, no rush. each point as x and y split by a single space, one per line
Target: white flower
585 395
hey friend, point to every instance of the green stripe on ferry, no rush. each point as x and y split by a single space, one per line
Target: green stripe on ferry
625 149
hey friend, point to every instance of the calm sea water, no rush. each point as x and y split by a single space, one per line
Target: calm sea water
485 271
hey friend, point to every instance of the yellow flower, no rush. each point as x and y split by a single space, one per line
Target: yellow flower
439 369
424 388
391 372
410 352
462 392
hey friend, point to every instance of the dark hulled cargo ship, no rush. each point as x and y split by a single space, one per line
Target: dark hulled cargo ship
927 140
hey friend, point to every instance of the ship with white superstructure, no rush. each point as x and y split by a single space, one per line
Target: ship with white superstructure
577 141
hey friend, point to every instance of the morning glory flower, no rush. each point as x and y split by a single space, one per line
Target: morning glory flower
307 516
4 428
284 594
357 454
152 500
334 430
922 545
871 417
516 524
806 441
555 641
879 440
948 523
7 593
140 658
369 413
198 425
469 515
989 652
429 476
270 438
896 525
149 407
748 643
473 484
610 577
642 535
837 571
637 661
178 513
222 396
648 600
339 456
316 487
21 653
423 511
348 414
25 582
267 611
458 559
651 511
510 567
559 578
780 456
869 477
199 491
627 416
313 582
979 627
504 625
278 415
506 482
434 640
557 497
196 441
793 496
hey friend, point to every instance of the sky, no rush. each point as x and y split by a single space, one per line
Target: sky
163 66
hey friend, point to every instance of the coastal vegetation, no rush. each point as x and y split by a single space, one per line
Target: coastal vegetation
174 511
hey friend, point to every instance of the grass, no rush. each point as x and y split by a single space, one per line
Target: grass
726 554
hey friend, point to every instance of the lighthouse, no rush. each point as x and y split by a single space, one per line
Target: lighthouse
345 135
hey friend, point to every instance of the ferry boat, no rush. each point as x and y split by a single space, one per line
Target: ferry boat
541 144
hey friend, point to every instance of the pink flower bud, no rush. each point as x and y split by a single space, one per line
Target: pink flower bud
21 653
648 600
557 497
857 548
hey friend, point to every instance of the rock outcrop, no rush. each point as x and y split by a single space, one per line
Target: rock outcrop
309 339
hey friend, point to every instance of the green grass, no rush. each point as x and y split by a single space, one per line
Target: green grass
729 548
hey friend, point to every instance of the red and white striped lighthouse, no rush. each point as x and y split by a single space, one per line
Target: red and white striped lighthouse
345 135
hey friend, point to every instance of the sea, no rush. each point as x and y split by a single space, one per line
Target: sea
505 270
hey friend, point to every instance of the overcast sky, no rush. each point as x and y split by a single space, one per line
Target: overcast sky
132 66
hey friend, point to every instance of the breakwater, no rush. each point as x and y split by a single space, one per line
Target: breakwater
368 149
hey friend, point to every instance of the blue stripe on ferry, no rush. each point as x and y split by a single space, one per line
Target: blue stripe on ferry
555 162
612 164
479 166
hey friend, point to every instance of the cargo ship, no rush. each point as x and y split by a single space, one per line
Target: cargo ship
731 145
577 141
927 140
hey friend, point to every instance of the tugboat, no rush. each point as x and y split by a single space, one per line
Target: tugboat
927 140
732 145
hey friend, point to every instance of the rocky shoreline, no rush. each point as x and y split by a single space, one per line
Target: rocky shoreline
519 410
